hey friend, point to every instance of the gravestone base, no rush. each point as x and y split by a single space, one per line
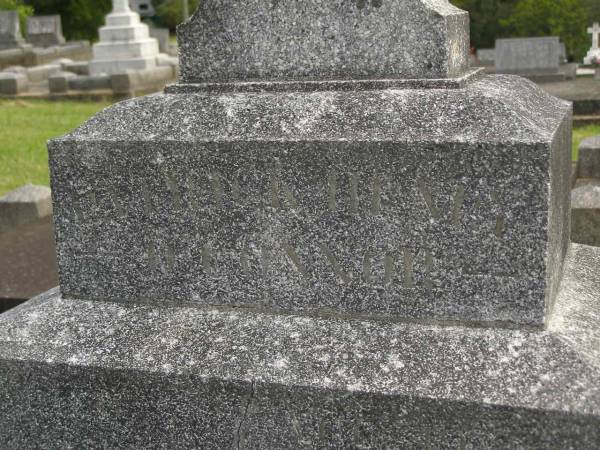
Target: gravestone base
102 374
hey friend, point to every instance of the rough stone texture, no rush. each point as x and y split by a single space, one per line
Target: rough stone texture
528 55
588 165
24 204
228 40
10 30
102 374
45 31
423 204
13 83
329 85
586 212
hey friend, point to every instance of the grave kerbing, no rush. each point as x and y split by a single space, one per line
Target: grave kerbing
314 254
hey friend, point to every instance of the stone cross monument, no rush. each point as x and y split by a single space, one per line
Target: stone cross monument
125 43
594 53
332 233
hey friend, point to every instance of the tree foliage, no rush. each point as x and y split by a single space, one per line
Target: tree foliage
80 18
565 18
169 13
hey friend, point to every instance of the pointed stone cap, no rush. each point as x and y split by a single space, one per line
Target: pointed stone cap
233 40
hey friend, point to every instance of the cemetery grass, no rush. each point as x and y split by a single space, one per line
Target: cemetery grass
25 126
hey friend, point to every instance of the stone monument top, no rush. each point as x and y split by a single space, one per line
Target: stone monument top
232 40
10 30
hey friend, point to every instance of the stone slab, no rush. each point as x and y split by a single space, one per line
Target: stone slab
162 35
59 82
363 203
228 40
148 376
589 158
486 56
137 80
37 74
528 55
585 212
90 82
25 204
28 262
12 83
45 31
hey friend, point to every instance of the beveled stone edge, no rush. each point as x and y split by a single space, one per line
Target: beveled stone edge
461 82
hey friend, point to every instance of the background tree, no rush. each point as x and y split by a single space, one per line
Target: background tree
80 18
486 16
17 5
169 13
565 18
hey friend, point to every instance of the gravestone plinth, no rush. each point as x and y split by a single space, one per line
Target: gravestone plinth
10 31
331 233
45 31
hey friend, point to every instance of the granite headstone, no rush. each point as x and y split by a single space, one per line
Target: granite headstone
10 30
588 164
332 233
45 31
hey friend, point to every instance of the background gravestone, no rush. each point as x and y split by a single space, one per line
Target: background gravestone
528 56
228 249
45 31
10 30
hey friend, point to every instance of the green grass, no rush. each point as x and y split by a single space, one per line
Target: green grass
25 126
579 134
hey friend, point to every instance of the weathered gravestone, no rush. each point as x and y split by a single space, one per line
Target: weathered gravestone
332 233
45 31
531 57
10 30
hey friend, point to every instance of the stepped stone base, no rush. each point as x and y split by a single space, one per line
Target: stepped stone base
76 373
120 65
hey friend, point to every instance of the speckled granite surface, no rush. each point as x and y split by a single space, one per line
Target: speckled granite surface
100 374
426 204
232 40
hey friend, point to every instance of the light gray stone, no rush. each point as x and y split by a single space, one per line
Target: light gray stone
41 73
59 82
228 40
45 31
79 67
486 56
586 212
528 56
24 204
136 80
162 35
588 165
10 30
12 83
152 376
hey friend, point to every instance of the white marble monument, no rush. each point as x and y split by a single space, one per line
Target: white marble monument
125 43
594 53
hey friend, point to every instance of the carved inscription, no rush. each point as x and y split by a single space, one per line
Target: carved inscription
361 199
